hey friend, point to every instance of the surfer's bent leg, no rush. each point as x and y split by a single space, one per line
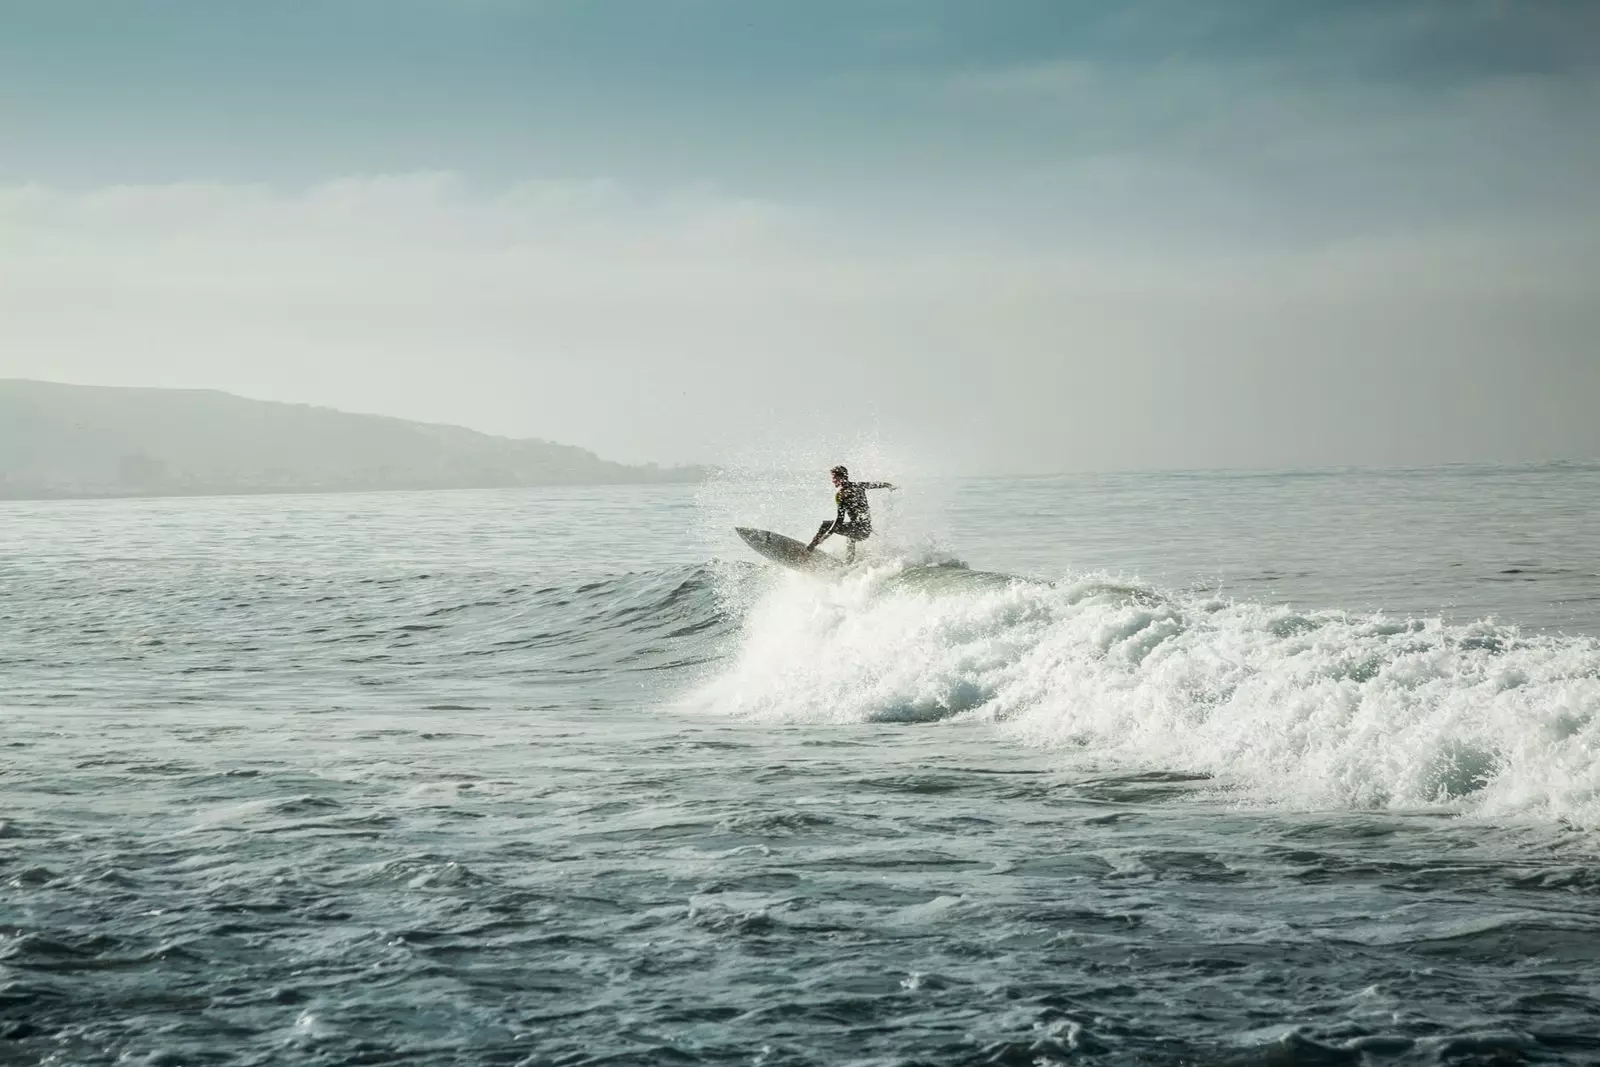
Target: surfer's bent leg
822 532
856 532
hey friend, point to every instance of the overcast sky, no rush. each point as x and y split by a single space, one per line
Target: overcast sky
1002 236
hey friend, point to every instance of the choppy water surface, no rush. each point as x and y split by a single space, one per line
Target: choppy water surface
1183 769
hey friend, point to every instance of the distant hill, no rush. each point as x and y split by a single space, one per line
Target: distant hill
77 441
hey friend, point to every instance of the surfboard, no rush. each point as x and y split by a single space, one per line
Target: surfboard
787 551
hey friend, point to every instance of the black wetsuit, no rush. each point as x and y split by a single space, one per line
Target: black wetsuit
854 517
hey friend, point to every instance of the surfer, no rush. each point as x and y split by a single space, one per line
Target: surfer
854 517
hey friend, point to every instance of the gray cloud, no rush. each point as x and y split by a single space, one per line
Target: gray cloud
1049 236
691 326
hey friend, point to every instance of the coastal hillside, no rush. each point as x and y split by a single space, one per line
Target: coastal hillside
72 440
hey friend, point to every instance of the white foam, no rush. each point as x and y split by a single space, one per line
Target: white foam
1318 709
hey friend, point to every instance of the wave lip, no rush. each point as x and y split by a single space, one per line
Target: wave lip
1320 709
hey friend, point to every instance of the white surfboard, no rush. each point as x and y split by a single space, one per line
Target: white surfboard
787 551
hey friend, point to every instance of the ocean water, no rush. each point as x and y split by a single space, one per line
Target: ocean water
1272 769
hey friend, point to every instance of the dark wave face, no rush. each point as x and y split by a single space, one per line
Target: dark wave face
157 637
534 779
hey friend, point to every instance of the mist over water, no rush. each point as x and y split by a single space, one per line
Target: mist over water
1277 768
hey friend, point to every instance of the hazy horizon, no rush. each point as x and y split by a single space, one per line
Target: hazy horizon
1034 238
810 460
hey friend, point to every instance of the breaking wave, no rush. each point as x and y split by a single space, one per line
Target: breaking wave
1309 709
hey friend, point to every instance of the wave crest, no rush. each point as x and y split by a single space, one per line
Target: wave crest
1308 709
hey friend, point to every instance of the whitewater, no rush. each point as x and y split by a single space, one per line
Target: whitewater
1309 709
1269 768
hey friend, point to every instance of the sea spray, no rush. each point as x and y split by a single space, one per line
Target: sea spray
1308 709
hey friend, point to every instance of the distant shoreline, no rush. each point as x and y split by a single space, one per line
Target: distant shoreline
75 442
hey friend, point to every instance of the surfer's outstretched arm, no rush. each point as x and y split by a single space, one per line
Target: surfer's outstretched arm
879 485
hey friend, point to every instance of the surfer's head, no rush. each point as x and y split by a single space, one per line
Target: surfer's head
840 474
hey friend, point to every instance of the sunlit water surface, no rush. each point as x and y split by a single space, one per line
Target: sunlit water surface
1256 769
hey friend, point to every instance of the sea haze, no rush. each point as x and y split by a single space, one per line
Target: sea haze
1290 768
68 441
